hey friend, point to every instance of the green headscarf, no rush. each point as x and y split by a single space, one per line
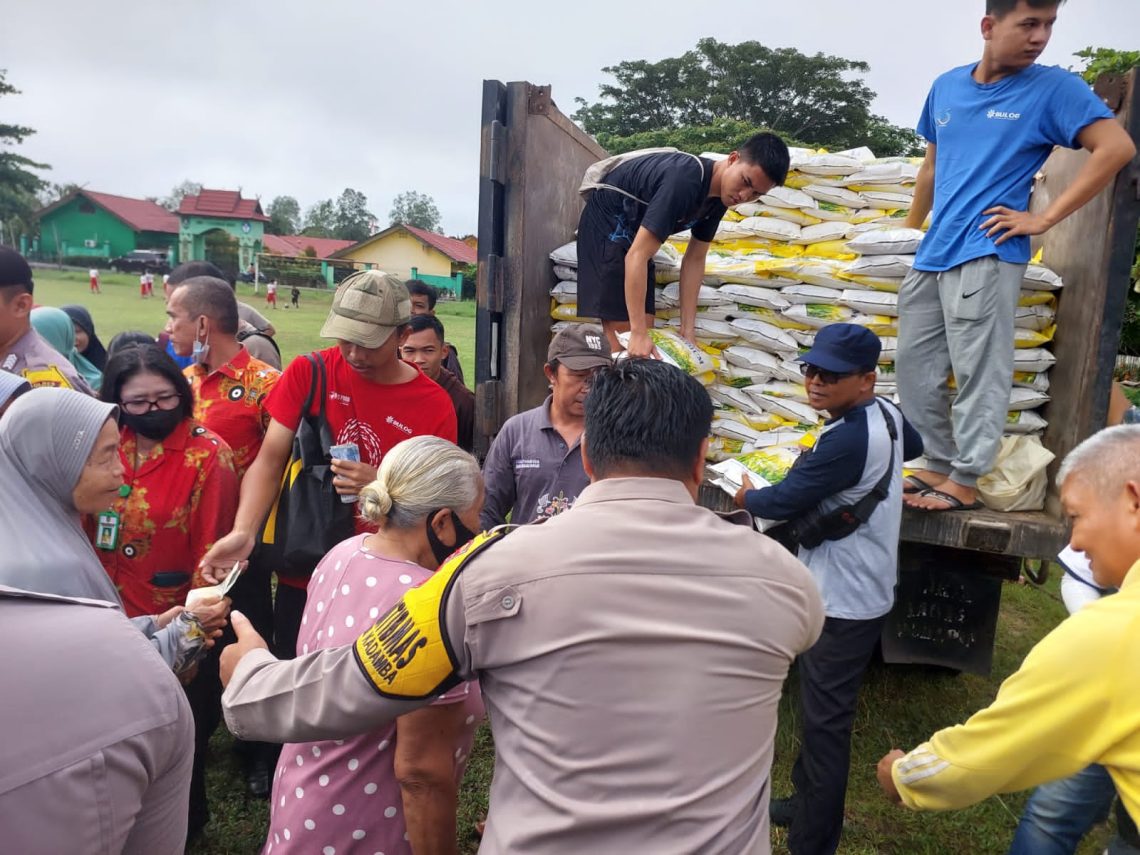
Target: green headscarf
57 330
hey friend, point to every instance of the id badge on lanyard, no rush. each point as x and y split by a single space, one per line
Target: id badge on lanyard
108 523
107 530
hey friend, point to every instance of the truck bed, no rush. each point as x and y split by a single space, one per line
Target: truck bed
532 159
1034 534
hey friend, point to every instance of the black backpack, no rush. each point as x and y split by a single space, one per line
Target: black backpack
308 518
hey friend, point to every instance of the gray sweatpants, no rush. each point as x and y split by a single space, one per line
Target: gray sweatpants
959 322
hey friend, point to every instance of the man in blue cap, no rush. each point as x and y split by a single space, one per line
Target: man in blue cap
843 503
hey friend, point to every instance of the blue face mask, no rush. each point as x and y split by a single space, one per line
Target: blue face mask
200 352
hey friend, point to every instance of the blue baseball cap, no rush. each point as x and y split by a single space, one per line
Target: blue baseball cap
844 348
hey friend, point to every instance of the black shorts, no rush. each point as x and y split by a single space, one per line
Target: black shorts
601 272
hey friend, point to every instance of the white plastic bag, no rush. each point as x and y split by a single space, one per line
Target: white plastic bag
753 295
1033 359
836 196
566 255
786 197
872 302
771 228
1017 481
887 242
765 336
831 164
822 232
890 266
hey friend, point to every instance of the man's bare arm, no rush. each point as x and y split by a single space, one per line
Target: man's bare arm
923 191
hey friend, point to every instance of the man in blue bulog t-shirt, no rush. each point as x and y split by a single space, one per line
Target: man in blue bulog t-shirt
989 128
642 202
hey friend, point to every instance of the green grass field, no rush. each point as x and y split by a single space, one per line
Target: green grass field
121 308
899 706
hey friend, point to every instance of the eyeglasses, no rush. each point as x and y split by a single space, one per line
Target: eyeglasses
825 377
142 406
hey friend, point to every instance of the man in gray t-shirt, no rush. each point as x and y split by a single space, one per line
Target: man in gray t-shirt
534 468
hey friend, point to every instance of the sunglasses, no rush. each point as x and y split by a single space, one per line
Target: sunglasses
828 378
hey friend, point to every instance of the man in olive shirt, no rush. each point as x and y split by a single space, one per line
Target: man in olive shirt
631 654
534 467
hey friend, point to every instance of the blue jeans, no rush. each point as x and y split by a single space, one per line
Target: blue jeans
1059 813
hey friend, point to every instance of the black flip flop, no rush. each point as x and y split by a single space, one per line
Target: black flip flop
913 484
953 503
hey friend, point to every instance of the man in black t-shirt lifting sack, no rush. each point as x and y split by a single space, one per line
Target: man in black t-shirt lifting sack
637 200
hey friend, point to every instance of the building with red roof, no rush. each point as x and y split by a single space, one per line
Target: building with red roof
86 225
414 253
223 227
222 204
303 246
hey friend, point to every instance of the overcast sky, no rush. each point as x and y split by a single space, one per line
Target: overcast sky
305 99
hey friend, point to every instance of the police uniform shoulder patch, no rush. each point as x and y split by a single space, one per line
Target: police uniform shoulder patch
406 655
48 375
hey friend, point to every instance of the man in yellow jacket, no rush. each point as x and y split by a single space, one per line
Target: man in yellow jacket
1075 699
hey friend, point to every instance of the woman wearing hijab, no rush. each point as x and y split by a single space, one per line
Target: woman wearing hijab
180 496
59 452
56 328
86 339
393 789
12 386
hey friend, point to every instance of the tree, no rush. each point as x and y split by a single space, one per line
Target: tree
415 209
320 219
18 183
51 192
186 188
353 219
819 98
721 135
284 216
1100 61
886 139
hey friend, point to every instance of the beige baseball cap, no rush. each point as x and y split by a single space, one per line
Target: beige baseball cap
367 308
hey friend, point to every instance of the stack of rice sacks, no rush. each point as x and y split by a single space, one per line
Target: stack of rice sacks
827 247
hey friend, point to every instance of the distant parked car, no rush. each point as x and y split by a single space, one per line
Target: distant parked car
247 277
142 261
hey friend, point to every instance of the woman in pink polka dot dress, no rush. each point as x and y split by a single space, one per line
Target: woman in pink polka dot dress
345 796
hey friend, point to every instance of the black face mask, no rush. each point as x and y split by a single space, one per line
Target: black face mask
441 550
157 424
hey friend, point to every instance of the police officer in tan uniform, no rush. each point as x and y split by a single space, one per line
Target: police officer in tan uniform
631 652
23 351
98 738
